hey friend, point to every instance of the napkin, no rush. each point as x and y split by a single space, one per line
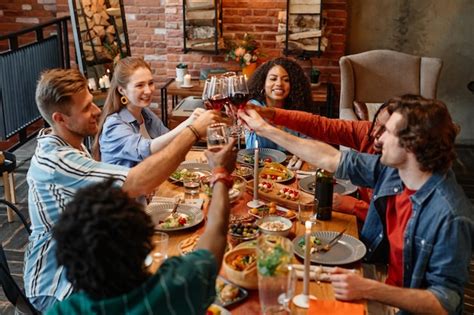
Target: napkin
190 202
324 307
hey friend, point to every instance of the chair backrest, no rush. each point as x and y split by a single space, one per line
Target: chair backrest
378 75
18 213
12 291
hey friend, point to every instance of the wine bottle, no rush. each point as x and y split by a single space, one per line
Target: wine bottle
323 193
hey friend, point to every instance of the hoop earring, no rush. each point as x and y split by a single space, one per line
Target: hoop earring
262 92
124 100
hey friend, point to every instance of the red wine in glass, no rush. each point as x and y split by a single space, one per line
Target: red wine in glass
217 101
239 99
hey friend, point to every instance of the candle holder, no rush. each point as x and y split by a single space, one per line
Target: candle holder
302 300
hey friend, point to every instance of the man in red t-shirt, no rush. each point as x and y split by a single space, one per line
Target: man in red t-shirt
420 221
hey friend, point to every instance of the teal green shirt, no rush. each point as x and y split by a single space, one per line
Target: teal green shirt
182 285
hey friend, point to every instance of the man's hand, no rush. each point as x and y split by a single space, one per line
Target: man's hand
196 113
348 284
252 120
225 157
336 200
205 119
266 112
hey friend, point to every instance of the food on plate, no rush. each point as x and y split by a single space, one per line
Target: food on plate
275 171
270 209
314 241
188 244
213 310
179 174
265 186
242 229
174 221
249 159
273 226
243 262
226 292
246 218
288 193
243 171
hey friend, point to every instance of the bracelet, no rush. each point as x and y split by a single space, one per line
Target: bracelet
195 132
221 174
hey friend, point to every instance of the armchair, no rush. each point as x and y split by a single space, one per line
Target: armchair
378 75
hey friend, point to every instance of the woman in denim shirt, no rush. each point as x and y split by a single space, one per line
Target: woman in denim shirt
280 83
129 131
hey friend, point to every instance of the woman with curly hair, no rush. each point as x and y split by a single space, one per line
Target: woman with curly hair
128 130
279 83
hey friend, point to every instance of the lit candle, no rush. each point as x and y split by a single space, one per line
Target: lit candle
106 81
101 83
307 258
187 80
255 172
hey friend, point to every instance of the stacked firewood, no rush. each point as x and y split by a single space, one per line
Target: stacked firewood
201 24
304 26
98 31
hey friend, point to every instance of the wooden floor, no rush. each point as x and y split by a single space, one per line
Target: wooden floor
14 238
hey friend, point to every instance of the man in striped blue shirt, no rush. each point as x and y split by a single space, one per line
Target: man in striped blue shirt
62 165
102 241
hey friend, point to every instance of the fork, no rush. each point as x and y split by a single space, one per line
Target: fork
175 207
331 243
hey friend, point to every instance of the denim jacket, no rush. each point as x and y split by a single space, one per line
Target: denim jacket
439 234
121 142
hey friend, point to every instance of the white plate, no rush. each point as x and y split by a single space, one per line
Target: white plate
347 250
186 86
343 187
275 155
159 211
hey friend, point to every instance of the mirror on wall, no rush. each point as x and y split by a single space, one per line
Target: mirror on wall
100 37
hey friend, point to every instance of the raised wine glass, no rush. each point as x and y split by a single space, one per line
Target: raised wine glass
215 92
217 136
238 97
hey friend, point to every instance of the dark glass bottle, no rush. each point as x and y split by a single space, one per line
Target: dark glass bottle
323 193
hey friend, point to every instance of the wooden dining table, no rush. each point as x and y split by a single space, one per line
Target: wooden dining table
251 305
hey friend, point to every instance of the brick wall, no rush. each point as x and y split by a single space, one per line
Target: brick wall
155 30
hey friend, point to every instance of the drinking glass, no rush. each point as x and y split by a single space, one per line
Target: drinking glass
274 254
160 247
191 183
238 97
307 212
285 298
217 136
215 92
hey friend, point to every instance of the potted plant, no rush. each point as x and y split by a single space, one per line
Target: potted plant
314 75
181 70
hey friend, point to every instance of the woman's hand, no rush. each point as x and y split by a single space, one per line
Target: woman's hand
205 119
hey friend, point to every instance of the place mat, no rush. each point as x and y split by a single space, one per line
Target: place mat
325 307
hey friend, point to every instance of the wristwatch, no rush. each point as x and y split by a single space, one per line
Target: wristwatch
221 174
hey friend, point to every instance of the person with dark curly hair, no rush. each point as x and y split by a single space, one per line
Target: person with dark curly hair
103 240
420 223
278 83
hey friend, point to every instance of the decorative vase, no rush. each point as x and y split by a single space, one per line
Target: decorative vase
249 70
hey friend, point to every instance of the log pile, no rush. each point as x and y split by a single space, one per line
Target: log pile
304 26
201 24
97 30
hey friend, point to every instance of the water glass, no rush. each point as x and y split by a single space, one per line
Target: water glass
160 247
274 254
307 212
191 183
217 136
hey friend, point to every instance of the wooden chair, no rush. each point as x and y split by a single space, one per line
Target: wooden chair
7 168
469 291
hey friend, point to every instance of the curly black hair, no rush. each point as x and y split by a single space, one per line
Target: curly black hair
427 130
103 238
300 87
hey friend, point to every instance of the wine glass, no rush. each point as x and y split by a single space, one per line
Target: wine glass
215 92
217 136
238 97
